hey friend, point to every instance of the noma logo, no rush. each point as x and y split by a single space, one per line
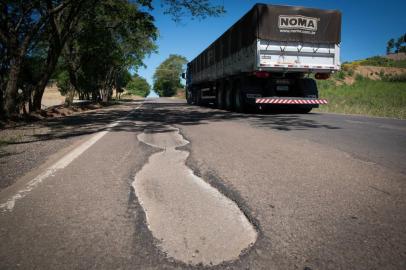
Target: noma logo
298 24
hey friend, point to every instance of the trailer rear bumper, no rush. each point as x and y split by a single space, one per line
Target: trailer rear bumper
290 101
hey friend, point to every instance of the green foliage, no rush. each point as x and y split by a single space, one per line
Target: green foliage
114 37
122 79
340 75
63 82
379 61
31 70
167 75
196 9
393 77
99 39
325 84
400 63
400 44
65 87
366 97
350 72
138 86
396 46
390 45
359 77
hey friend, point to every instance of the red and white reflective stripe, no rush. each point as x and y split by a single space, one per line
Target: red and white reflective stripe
290 101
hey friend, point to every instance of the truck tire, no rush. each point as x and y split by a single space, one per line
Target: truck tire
198 97
229 98
240 102
189 97
308 88
220 103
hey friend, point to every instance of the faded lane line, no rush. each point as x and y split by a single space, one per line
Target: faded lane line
60 164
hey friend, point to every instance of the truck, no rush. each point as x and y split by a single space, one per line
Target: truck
268 58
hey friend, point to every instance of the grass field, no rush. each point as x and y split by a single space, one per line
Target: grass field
365 97
379 61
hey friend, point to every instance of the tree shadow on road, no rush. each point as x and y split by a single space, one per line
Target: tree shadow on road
184 114
159 115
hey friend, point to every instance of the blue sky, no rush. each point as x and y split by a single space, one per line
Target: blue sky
366 27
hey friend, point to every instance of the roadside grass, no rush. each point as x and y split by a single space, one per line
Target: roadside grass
378 61
365 97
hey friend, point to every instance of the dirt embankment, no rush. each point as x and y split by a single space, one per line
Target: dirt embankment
371 72
396 56
375 73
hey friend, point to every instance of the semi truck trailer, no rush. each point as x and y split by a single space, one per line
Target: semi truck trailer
268 58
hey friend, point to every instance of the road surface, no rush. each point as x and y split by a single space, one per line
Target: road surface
163 185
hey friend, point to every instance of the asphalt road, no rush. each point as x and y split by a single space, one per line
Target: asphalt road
320 191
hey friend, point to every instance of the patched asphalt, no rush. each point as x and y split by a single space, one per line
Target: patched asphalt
194 222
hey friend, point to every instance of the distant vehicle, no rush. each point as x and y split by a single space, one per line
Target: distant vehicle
264 60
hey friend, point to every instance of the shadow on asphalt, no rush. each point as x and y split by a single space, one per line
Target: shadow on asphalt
183 114
157 115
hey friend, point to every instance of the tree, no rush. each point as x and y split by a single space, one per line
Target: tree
55 23
112 38
59 29
195 8
4 64
138 86
122 80
167 75
23 24
390 45
399 47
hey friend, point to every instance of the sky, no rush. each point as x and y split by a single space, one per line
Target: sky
366 27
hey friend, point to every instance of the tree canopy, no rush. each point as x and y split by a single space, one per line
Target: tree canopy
112 38
138 86
199 9
87 45
396 46
167 75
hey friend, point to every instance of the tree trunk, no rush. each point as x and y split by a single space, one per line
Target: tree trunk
105 98
53 55
1 101
39 91
10 105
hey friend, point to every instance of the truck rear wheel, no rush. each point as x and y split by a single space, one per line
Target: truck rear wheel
220 98
229 98
308 89
198 97
189 98
240 102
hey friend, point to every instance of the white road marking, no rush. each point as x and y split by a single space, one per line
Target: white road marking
60 164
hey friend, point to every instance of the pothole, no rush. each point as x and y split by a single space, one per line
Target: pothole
194 222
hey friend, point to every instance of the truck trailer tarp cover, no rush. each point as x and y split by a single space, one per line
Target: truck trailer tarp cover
275 23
